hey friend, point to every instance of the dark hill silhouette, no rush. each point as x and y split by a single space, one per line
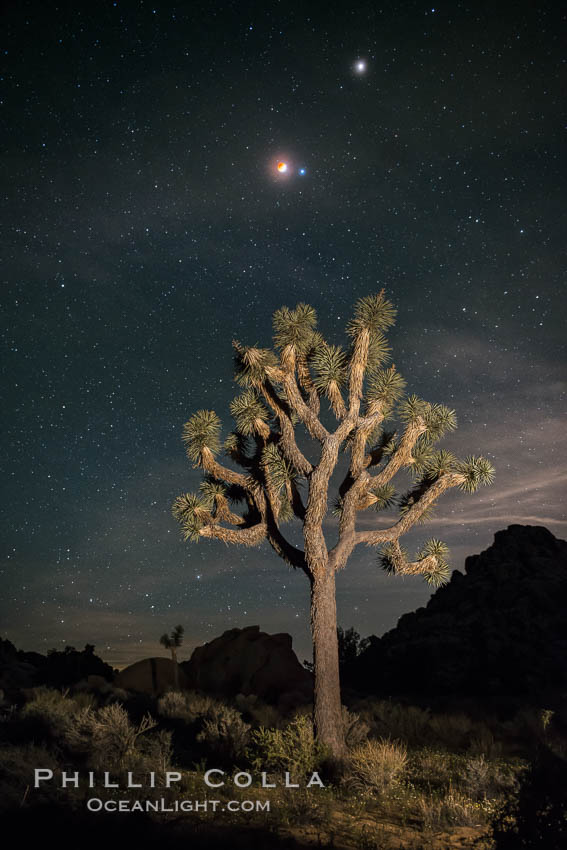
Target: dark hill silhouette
499 630
19 669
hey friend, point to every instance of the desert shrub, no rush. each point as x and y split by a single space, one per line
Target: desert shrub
356 729
256 712
376 765
154 752
173 706
386 718
312 807
189 706
17 765
477 777
200 705
224 733
107 737
204 727
430 768
292 749
483 743
101 691
246 702
531 728
483 778
534 816
49 712
449 809
414 725
451 730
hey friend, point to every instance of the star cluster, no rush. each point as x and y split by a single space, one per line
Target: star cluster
147 225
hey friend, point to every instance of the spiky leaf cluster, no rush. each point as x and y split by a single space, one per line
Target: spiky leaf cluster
338 504
202 430
210 490
411 409
378 353
249 412
476 471
281 472
439 574
188 504
286 509
251 363
295 327
329 364
235 445
385 387
190 510
390 443
439 463
173 640
373 313
191 527
439 420
386 495
421 454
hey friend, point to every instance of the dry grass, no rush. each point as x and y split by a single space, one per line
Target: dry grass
376 765
452 808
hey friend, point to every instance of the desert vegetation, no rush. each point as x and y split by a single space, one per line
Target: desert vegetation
410 777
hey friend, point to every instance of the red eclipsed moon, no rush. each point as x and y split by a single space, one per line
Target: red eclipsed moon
282 167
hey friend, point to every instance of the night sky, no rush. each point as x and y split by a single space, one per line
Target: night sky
145 225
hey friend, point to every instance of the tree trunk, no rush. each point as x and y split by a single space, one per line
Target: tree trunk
327 711
175 668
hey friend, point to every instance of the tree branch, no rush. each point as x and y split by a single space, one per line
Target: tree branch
306 381
222 473
357 369
245 536
410 568
289 446
286 376
402 455
389 535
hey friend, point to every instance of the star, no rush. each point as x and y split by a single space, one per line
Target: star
360 66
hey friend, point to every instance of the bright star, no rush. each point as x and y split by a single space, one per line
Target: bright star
282 167
360 66
302 171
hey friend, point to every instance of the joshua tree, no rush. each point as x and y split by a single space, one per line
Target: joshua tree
277 482
173 642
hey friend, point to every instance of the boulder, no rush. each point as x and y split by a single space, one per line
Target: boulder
151 676
248 661
499 630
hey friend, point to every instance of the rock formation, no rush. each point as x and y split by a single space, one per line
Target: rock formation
151 676
248 661
498 630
